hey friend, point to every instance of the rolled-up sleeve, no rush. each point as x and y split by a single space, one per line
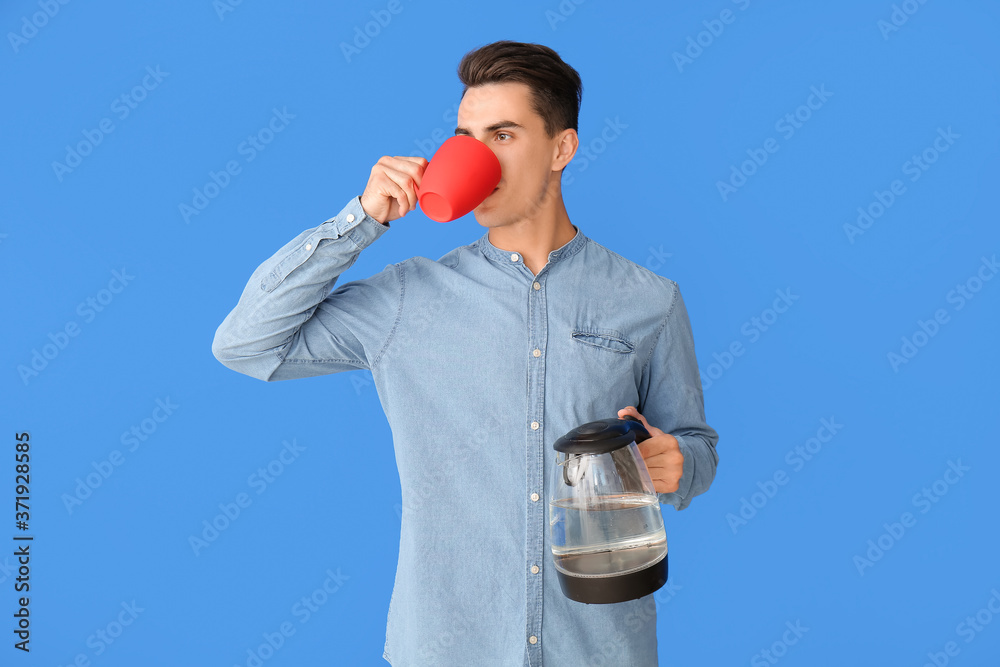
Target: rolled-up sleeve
288 324
671 399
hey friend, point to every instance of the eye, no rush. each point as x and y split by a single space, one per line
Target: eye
502 134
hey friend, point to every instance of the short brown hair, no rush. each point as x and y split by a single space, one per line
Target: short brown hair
556 89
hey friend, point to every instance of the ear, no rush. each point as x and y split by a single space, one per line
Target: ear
566 143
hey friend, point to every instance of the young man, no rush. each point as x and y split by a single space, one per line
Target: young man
481 360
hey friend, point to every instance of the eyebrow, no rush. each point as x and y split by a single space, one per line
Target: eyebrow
492 128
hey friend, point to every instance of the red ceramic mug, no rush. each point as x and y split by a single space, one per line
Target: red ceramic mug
461 174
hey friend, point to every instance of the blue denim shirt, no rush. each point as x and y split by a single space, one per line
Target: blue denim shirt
512 361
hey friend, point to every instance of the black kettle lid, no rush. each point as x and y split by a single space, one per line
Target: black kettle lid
602 436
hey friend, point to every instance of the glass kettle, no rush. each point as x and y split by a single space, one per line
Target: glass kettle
608 540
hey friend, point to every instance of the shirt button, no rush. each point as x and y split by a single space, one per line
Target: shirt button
309 246
537 286
534 426
537 353
513 257
534 497
533 639
350 217
534 569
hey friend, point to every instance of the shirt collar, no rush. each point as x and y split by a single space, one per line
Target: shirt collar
569 249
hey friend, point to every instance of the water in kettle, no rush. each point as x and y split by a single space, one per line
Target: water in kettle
609 535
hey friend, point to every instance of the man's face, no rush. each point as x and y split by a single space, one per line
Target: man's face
500 116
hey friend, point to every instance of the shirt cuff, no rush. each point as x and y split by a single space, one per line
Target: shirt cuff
355 224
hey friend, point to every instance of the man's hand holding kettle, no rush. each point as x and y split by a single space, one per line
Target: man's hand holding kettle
661 453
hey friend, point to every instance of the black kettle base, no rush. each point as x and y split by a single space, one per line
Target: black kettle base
621 588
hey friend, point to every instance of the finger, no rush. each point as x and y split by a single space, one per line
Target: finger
630 410
659 447
653 458
663 470
391 189
403 187
407 169
414 166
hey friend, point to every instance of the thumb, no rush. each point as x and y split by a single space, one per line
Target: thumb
631 411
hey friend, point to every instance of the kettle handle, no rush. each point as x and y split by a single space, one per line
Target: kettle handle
638 429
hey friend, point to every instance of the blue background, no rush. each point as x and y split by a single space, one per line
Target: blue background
650 194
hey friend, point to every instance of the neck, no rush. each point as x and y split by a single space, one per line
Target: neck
536 236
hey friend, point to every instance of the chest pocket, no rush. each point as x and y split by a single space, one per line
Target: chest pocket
607 360
608 340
